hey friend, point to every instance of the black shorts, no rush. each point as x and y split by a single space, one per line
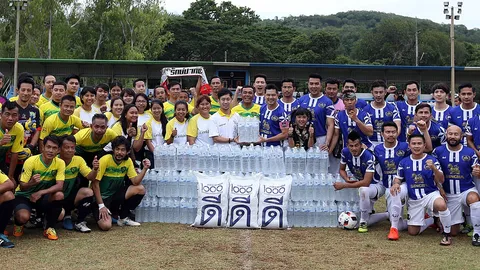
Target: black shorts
113 203
22 202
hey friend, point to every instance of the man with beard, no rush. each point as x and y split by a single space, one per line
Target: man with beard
388 155
380 112
406 108
458 163
247 107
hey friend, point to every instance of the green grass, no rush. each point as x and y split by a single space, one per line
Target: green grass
174 246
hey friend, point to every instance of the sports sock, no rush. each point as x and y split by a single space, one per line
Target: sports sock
54 209
428 222
468 218
395 210
130 204
377 217
402 224
84 208
475 214
6 211
446 220
364 205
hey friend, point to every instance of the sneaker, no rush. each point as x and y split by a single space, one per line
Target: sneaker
363 228
446 240
393 235
476 240
82 227
17 230
50 233
67 223
127 222
4 242
467 229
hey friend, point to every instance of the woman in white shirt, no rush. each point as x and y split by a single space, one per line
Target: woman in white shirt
86 111
156 126
115 111
141 101
201 129
177 127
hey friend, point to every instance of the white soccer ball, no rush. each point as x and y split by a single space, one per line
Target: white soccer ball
347 220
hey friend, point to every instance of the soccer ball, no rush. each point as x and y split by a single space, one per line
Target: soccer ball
347 220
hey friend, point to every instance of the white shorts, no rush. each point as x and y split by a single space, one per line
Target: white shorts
455 204
416 208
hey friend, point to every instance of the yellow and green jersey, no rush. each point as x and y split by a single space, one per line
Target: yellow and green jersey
85 141
48 109
111 174
54 125
3 178
169 109
49 174
42 100
253 111
76 165
16 140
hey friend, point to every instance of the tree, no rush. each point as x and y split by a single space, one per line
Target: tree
319 47
225 13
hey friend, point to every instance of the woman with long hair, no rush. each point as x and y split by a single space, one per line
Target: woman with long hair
126 126
201 128
177 127
115 111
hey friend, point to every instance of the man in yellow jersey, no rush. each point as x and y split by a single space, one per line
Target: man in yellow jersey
40 187
48 81
91 141
247 107
226 122
7 203
174 89
11 138
77 197
73 84
62 123
112 196
52 107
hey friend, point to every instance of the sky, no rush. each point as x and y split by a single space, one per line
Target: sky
424 9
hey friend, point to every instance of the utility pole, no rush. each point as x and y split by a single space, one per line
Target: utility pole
416 42
452 16
17 5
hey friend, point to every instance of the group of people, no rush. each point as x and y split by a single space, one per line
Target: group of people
89 149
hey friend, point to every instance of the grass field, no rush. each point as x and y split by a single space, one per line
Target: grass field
175 246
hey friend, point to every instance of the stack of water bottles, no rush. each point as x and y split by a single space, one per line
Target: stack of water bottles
171 197
248 129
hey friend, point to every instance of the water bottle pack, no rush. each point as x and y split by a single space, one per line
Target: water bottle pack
248 129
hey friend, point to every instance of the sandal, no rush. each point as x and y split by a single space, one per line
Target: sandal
446 240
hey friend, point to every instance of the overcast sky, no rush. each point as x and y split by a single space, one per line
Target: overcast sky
425 9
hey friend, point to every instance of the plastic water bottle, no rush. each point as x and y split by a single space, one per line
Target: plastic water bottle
333 214
317 188
139 211
301 187
308 187
162 204
154 210
288 161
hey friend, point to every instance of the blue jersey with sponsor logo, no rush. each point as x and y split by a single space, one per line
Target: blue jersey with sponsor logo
347 125
270 122
442 117
436 132
360 165
460 117
379 116
260 100
419 178
288 107
321 108
388 160
406 112
473 129
457 168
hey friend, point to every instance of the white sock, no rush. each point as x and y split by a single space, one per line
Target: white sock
395 210
377 217
428 222
446 220
475 214
364 205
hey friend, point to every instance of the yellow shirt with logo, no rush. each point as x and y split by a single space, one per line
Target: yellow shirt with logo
54 125
49 174
202 129
85 141
76 165
254 111
181 137
214 105
154 132
48 109
16 140
111 174
42 100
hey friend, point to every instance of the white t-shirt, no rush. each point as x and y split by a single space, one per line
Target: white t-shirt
203 129
181 137
226 126
143 118
85 115
154 133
